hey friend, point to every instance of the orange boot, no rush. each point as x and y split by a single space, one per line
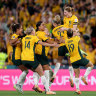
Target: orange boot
83 79
37 89
71 82
78 92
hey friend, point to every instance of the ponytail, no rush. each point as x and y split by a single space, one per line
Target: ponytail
37 25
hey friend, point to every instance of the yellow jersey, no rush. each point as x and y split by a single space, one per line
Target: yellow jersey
58 34
9 50
28 47
39 49
69 22
17 48
73 48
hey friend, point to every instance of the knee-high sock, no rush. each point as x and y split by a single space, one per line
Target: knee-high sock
47 75
71 71
45 83
22 78
36 78
88 70
57 66
77 83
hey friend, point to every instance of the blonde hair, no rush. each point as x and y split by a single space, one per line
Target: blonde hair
69 9
29 30
57 19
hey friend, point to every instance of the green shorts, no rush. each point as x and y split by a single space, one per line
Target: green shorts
42 59
81 62
16 62
62 50
31 64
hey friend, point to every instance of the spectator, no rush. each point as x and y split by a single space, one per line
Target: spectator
3 57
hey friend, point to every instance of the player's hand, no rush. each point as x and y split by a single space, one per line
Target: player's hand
61 40
63 29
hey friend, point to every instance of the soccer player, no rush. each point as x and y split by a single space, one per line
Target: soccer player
28 55
41 53
57 33
16 55
70 21
76 58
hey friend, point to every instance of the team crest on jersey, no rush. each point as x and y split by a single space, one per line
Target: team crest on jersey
76 20
13 37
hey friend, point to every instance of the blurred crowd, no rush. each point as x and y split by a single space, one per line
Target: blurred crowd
29 12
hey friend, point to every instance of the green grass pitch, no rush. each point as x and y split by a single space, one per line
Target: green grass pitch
58 93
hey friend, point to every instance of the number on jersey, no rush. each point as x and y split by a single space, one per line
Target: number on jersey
27 44
71 47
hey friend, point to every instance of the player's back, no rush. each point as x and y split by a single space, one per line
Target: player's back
28 47
72 45
58 34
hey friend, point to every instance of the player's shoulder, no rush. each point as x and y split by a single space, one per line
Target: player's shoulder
74 17
57 28
14 36
76 38
64 18
39 32
35 36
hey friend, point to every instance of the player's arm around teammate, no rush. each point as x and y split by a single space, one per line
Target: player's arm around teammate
28 55
16 55
42 51
60 35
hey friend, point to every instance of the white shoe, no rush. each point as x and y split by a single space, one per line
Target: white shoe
18 88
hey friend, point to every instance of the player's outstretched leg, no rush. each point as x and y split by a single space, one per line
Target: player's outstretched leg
88 70
77 72
71 71
57 66
36 78
39 70
18 88
20 81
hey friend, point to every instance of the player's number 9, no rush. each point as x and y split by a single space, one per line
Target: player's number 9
71 47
